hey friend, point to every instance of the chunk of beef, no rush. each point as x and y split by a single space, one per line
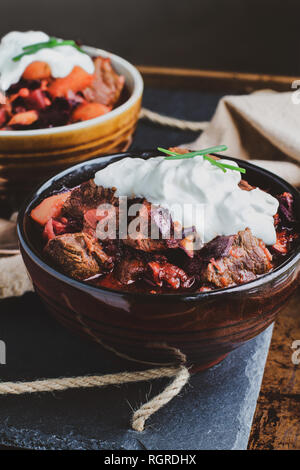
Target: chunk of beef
102 223
113 248
231 260
148 245
107 86
130 270
162 273
85 197
154 230
243 184
78 255
137 265
130 265
247 259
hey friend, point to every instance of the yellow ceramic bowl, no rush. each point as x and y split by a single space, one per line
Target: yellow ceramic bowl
28 157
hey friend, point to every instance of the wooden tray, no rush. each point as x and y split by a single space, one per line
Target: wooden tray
209 80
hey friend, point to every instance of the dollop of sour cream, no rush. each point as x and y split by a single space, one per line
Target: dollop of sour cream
196 193
61 59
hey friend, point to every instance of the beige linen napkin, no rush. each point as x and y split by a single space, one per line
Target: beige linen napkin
14 280
263 127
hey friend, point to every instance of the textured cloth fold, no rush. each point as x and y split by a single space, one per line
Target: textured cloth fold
8 236
263 127
14 280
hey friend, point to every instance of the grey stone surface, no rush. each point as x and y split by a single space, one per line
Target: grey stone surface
214 411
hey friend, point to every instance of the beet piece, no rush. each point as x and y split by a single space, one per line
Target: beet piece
217 248
30 84
286 210
37 99
57 114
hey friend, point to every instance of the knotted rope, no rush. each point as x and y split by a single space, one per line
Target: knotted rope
181 124
140 416
146 410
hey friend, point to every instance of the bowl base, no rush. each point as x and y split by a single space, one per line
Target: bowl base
200 368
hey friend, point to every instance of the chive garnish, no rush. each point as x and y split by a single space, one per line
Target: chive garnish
53 42
205 153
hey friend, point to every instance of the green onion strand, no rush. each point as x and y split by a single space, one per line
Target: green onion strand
53 42
214 162
204 153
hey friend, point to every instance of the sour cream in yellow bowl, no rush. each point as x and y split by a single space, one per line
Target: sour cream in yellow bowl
30 155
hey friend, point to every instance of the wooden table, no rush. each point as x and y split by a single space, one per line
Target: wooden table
276 423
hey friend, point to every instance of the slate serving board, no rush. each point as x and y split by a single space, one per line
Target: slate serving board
214 411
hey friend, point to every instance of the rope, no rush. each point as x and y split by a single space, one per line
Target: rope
162 120
4 252
146 410
140 416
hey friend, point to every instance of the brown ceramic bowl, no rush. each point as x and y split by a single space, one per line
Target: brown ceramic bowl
199 329
29 157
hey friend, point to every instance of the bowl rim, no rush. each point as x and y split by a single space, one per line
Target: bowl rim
263 279
138 87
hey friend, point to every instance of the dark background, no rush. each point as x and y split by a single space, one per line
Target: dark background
241 35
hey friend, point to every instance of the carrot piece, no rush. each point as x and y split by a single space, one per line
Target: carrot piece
87 111
266 251
77 80
24 119
24 92
49 207
224 281
37 71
